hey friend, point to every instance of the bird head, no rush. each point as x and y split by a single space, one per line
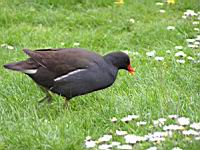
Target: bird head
120 60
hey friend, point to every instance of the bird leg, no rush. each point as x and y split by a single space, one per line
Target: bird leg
66 103
48 96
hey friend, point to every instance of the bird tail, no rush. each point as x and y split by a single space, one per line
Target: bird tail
28 66
23 66
18 66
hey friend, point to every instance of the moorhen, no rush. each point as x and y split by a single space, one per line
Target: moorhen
71 72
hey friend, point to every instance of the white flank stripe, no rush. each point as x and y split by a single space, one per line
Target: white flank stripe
66 75
30 71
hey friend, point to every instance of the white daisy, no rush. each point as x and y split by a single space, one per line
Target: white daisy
162 11
158 134
124 147
141 123
183 121
190 132
76 44
157 139
121 133
129 118
105 138
190 13
3 45
192 46
104 147
178 47
180 61
156 123
190 40
176 148
88 138
196 61
172 116
196 29
114 119
159 58
173 127
159 122
10 47
190 58
151 53
184 17
132 139
195 22
169 133
90 144
197 138
133 116
171 28
159 4
180 54
198 38
195 126
162 120
197 43
132 21
126 119
168 51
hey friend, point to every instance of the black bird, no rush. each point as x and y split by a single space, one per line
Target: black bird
71 72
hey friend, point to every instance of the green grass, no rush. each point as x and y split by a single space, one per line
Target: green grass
156 90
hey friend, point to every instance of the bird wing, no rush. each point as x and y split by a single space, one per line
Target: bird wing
63 61
82 82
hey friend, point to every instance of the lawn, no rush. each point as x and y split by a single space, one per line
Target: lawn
158 88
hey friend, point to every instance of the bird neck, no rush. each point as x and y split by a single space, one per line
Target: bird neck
112 61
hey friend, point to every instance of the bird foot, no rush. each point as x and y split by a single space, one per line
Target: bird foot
66 103
46 98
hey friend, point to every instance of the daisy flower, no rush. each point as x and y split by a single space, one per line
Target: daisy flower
76 44
105 138
132 21
190 58
114 119
124 147
178 47
151 53
172 116
159 58
180 61
195 126
183 121
170 28
173 127
90 144
190 132
180 54
141 123
159 4
121 133
104 147
162 11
